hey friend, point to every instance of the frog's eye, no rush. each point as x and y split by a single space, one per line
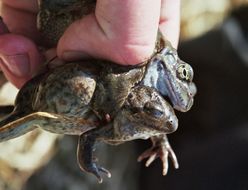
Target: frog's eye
185 72
152 111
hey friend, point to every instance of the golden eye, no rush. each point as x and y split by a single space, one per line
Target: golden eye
185 72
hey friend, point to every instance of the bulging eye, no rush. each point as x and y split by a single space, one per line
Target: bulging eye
152 110
185 72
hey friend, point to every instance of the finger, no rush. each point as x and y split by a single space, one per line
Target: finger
170 20
20 17
121 31
19 58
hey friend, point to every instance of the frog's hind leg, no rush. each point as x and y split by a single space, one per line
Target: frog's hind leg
17 124
14 125
20 123
110 134
85 150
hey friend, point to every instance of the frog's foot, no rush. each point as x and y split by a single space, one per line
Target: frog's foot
85 157
93 168
162 150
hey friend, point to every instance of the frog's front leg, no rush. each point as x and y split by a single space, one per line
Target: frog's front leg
160 148
86 147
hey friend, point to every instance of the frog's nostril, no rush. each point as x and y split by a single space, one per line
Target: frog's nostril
173 124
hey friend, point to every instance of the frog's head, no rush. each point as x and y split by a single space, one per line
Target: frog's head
172 78
146 113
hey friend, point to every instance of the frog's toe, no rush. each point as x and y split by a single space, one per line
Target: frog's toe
103 170
100 180
96 170
173 157
164 159
147 154
151 154
165 152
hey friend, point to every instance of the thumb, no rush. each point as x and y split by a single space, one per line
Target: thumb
19 58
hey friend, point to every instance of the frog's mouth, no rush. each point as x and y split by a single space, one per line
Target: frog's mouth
182 95
180 100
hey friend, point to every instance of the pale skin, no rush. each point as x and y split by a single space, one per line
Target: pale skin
120 31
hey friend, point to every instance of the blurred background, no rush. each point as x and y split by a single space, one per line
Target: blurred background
210 143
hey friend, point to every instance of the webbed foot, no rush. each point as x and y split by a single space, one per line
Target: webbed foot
161 148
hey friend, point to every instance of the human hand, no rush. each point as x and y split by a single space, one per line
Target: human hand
120 31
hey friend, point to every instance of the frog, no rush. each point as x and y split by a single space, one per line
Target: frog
66 100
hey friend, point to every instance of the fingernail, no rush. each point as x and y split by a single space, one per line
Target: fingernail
17 64
74 55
